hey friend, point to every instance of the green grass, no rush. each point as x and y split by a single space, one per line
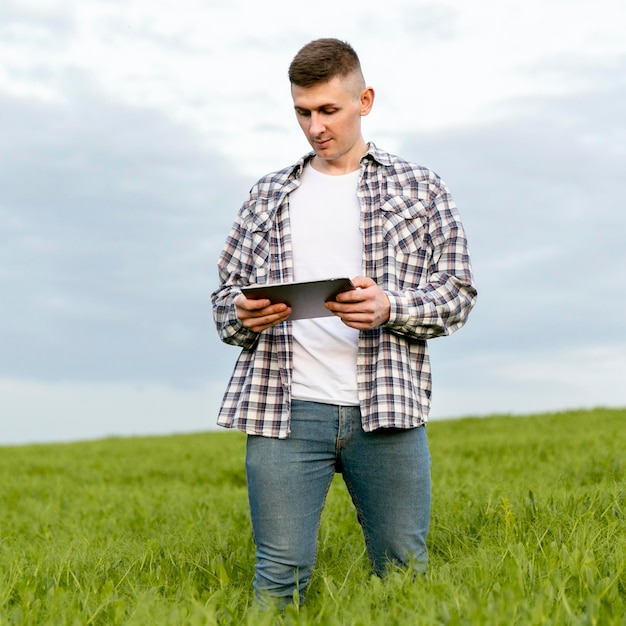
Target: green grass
528 527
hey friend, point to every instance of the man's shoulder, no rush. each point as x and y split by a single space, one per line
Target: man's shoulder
402 167
278 177
268 192
275 181
405 174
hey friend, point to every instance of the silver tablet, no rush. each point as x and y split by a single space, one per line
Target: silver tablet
306 299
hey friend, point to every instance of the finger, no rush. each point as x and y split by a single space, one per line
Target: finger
354 296
271 310
259 324
362 306
250 304
363 282
357 325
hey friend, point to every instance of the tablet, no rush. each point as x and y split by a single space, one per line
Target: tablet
306 299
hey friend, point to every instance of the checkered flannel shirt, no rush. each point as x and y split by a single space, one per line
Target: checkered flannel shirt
414 247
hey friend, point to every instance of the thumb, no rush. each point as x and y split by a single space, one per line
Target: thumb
363 282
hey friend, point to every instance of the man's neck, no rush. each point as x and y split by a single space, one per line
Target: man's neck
344 165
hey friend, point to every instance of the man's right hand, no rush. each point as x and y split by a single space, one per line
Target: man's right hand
259 315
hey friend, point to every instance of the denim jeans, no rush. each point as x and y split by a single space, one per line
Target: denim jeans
387 473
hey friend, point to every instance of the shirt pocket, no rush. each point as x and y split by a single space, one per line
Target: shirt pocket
404 223
258 235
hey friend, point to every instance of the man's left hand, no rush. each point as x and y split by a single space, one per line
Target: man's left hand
363 308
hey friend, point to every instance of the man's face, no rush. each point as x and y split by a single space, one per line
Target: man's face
330 116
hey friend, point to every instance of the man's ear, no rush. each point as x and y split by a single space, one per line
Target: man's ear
367 100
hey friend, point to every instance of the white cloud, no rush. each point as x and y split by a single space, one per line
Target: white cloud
222 70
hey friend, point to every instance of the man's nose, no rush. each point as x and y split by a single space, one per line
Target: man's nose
317 125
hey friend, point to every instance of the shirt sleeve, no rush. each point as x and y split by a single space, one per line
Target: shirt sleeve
234 271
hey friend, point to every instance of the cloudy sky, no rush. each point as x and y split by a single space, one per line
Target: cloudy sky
131 130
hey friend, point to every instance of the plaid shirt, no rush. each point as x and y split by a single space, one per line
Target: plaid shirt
414 247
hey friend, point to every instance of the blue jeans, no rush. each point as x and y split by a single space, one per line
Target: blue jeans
387 473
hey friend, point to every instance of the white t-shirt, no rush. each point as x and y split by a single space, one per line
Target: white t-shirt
327 243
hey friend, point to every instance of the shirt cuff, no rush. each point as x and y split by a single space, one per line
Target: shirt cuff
398 311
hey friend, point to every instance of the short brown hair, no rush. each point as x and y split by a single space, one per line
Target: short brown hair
321 60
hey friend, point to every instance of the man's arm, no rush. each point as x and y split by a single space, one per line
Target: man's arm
238 319
441 304
438 306
234 269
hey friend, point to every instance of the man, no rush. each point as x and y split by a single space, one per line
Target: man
349 392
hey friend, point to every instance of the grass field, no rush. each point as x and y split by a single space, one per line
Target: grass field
528 527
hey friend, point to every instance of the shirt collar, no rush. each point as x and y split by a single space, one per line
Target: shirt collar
373 152
296 170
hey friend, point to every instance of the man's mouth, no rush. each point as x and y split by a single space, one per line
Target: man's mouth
322 143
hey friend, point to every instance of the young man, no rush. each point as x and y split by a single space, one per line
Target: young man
350 392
